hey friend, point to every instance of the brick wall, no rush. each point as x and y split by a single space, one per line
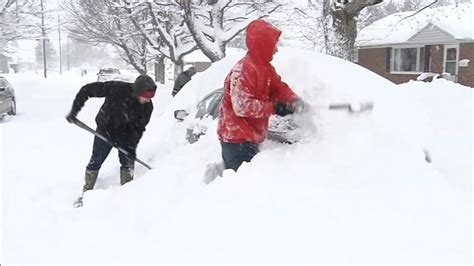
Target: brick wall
466 74
374 60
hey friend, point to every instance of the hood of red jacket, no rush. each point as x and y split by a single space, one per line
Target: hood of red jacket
262 38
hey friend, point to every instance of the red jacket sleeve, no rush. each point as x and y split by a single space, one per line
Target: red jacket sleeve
243 94
281 92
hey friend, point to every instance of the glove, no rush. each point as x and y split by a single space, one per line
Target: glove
71 117
283 109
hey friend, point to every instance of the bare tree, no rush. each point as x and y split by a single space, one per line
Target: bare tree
17 20
176 28
50 53
340 27
302 23
214 23
164 31
25 19
101 21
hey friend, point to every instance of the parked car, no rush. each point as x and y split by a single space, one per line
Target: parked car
7 98
281 129
106 74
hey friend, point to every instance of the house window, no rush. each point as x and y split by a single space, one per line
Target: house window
450 62
408 59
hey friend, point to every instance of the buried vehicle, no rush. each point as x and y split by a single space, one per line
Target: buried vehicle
282 129
7 98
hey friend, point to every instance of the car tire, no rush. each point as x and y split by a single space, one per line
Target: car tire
13 108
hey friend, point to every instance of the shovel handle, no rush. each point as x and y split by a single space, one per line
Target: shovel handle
80 124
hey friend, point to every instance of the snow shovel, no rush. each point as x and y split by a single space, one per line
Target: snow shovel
80 124
353 108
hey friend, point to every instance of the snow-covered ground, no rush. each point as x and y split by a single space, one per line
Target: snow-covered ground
359 191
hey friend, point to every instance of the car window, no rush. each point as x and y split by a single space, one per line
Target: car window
216 104
3 82
207 106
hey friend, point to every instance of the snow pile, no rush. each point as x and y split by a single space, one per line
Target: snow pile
358 191
450 138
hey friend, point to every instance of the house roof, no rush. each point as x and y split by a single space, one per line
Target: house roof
398 28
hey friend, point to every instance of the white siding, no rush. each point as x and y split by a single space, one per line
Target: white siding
431 35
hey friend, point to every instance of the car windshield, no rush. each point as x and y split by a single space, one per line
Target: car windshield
109 71
3 82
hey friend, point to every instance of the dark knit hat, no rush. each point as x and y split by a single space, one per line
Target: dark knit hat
143 83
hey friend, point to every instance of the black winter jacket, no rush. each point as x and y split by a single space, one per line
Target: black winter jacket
121 116
181 80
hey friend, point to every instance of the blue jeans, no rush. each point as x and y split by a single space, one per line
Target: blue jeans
234 154
101 150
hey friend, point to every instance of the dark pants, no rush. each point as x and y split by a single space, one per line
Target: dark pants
234 154
101 150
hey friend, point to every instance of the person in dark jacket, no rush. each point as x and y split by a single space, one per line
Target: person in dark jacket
182 79
253 91
122 119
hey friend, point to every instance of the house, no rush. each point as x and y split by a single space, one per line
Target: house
198 60
404 45
202 62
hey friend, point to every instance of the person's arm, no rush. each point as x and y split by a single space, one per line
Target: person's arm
242 93
285 100
175 88
146 116
137 128
95 89
281 92
181 80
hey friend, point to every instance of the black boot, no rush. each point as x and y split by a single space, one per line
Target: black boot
126 175
90 178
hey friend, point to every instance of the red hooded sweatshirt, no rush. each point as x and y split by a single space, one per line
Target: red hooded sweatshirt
251 87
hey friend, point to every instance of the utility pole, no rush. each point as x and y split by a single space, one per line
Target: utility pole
43 32
68 55
60 54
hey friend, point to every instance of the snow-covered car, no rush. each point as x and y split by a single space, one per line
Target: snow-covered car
281 129
7 98
106 74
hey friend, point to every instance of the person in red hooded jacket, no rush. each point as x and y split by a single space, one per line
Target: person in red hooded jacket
253 91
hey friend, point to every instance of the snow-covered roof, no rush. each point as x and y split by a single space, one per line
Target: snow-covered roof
456 20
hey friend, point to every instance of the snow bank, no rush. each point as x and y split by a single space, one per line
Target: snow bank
358 191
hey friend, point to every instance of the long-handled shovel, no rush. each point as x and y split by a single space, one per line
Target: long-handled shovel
78 203
80 124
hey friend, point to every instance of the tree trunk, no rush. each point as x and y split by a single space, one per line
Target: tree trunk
160 69
178 68
345 34
340 27
43 33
